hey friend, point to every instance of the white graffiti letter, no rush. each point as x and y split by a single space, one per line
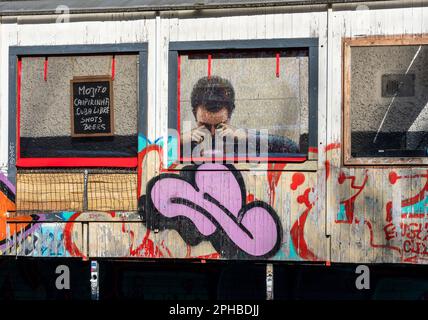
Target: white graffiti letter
363 280
63 280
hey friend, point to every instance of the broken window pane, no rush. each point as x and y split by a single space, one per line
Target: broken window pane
389 101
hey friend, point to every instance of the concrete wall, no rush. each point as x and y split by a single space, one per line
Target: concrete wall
371 112
45 105
263 101
368 64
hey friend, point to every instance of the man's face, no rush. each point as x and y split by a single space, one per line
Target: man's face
211 119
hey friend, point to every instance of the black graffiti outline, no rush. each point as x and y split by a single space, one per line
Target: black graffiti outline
220 240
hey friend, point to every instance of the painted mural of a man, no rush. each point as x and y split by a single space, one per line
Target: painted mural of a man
213 103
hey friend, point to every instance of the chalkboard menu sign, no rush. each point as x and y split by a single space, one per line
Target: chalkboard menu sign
91 106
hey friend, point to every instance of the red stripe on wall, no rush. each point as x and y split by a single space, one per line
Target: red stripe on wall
45 69
77 162
113 67
18 111
209 65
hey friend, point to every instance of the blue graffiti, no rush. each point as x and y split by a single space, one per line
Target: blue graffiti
419 208
172 146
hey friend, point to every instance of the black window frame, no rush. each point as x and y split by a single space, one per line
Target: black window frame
311 44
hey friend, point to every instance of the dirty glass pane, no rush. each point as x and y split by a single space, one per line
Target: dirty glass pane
389 96
256 102
45 117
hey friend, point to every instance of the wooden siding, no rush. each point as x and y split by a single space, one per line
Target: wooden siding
326 212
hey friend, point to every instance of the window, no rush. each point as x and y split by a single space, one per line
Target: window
244 101
386 100
75 115
77 106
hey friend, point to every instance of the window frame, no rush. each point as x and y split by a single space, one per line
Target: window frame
311 44
17 52
370 41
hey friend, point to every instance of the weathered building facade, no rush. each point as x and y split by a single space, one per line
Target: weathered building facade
345 81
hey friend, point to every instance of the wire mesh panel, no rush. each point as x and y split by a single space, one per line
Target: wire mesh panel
44 192
117 191
40 192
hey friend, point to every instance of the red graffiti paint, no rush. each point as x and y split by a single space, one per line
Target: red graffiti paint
273 176
297 180
349 203
413 236
214 255
389 211
250 198
142 155
69 244
411 232
373 245
342 177
297 231
332 146
147 248
327 164
393 178
163 245
327 169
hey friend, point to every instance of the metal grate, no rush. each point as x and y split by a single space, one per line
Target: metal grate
87 190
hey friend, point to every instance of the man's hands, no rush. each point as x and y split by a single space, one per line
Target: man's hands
221 130
226 130
198 134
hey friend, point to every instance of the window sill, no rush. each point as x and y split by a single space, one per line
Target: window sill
308 165
77 162
395 161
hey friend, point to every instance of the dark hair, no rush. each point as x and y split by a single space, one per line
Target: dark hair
213 93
